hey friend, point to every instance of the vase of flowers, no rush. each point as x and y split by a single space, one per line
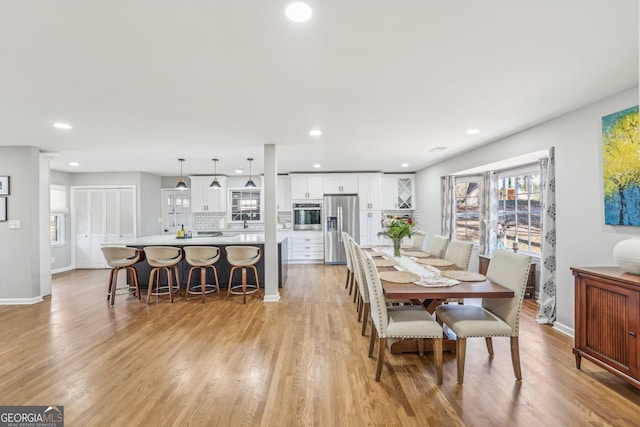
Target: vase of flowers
500 228
396 228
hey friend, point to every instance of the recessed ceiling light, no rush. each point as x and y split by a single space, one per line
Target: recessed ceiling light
437 149
315 132
64 126
239 171
405 165
317 165
74 164
473 131
298 12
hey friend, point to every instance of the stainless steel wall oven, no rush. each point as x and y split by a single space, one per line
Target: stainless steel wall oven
307 216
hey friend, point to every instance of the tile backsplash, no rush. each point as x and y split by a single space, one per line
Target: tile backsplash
207 221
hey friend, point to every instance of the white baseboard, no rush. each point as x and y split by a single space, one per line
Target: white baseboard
61 270
564 329
272 298
20 301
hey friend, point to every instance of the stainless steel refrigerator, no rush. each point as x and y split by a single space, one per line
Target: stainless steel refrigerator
340 213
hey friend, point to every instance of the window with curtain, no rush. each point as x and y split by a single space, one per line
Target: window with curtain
58 210
519 207
467 223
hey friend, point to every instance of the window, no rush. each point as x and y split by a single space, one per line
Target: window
58 210
245 205
519 207
56 229
468 209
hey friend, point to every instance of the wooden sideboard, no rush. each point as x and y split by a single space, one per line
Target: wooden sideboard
529 291
607 310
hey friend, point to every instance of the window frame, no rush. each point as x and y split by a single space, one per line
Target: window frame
58 228
516 174
466 179
259 204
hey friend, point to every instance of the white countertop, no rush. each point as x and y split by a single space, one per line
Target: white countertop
231 238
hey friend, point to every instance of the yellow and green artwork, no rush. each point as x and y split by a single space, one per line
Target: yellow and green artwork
621 167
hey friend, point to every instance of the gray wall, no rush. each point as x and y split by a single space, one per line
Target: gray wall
583 239
20 248
171 181
149 205
62 254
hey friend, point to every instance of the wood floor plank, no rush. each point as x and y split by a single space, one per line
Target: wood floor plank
298 362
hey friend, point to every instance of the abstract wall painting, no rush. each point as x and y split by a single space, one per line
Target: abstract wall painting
621 167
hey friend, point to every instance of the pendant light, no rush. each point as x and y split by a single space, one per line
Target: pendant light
181 184
250 183
215 184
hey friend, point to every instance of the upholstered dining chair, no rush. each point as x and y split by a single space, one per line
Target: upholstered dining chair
363 292
350 276
437 246
497 317
459 253
400 323
418 240
364 311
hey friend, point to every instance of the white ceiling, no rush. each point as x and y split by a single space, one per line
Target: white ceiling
146 82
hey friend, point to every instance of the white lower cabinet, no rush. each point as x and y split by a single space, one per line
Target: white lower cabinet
307 246
370 226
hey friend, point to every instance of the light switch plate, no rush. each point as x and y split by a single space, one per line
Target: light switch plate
14 224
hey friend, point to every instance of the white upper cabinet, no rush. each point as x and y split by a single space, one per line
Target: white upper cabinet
206 199
369 191
340 183
283 201
398 192
306 187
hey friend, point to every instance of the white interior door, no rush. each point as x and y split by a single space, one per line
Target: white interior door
176 210
101 215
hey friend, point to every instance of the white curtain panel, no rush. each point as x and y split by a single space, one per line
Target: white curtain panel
547 294
488 211
448 205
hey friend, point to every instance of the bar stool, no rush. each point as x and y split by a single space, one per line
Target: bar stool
202 257
119 258
243 257
163 258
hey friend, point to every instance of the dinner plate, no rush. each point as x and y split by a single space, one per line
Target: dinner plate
464 276
375 254
399 276
436 262
417 254
384 262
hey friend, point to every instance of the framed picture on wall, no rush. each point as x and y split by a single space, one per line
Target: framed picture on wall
4 185
3 209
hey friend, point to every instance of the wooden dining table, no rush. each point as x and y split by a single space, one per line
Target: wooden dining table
430 297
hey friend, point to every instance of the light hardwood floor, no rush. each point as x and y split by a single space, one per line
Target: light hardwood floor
299 362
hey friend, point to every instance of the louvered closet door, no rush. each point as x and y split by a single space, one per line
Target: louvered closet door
90 227
119 214
102 215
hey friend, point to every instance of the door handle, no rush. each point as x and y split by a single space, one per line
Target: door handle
632 334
